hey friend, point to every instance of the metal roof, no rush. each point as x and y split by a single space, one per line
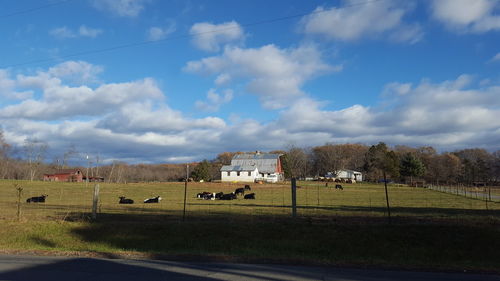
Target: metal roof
238 168
265 162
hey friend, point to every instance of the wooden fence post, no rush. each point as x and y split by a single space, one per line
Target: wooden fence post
19 194
95 201
294 197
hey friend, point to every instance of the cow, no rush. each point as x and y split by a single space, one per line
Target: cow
153 200
249 196
218 195
203 194
240 191
37 199
124 200
338 186
247 187
229 196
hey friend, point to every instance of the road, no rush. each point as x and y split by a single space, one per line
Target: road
16 268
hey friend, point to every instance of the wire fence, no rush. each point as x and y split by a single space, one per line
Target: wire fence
315 200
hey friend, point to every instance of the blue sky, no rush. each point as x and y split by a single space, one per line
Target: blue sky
150 81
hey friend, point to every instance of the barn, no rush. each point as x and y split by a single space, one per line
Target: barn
68 175
250 167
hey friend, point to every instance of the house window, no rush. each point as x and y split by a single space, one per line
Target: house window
228 174
249 173
237 174
269 174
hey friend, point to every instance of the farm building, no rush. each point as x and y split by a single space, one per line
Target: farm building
345 174
251 167
71 175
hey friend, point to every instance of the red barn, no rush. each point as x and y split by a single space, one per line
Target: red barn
71 175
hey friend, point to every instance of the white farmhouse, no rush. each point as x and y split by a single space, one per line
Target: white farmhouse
251 167
348 175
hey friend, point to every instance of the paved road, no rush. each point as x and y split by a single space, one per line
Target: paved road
74 269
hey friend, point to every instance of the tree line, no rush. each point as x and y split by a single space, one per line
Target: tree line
399 163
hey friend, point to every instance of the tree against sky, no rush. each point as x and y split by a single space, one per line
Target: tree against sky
411 166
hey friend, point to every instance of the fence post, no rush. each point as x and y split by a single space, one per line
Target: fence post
387 198
294 197
19 194
95 200
185 192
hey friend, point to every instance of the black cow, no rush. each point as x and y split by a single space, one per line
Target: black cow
249 196
338 186
37 199
239 191
124 200
229 196
218 195
153 200
247 187
203 195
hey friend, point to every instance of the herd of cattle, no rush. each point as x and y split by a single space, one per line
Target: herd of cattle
228 196
123 199
202 195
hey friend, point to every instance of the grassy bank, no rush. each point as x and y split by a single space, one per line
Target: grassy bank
403 244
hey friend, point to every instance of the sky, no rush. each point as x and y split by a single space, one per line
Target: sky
151 81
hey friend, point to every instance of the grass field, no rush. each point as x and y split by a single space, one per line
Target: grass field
429 229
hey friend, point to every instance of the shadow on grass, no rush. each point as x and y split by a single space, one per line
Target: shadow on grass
344 240
363 210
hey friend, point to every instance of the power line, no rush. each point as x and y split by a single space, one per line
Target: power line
34 9
148 42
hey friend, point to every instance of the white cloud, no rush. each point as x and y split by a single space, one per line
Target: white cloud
369 20
7 88
496 57
396 88
158 33
84 31
132 122
122 8
214 100
210 37
275 75
476 16
62 32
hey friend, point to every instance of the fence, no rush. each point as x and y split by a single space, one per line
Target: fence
315 200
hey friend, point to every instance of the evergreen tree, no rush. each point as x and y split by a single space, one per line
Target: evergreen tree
411 167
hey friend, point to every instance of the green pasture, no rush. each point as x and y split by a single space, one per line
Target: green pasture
314 200
428 230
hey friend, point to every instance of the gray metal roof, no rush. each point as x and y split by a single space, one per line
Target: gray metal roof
266 163
256 156
237 168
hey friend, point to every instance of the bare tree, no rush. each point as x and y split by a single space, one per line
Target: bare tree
35 153
4 156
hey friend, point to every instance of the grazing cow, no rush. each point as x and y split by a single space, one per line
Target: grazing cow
153 200
247 187
37 199
338 186
124 200
240 191
249 196
218 195
229 196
